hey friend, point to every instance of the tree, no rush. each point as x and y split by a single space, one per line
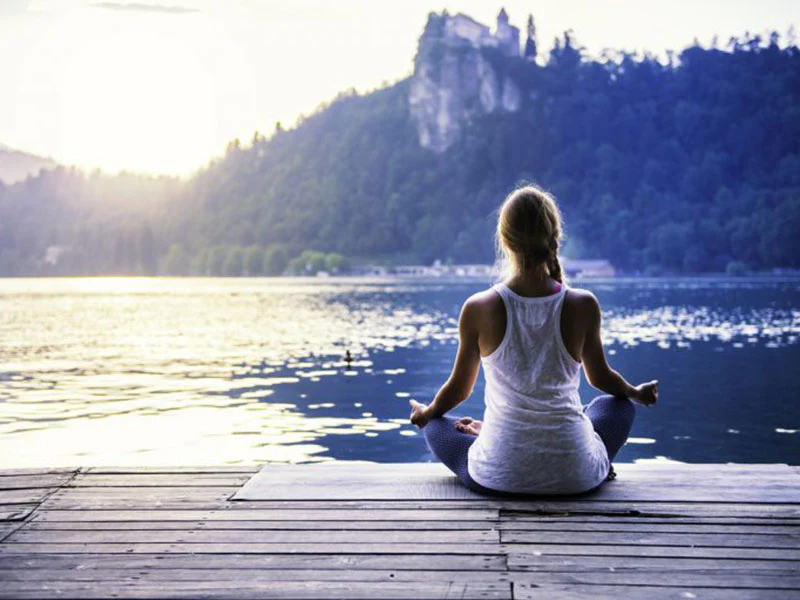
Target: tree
254 261
147 251
310 262
336 263
216 258
276 259
176 261
234 262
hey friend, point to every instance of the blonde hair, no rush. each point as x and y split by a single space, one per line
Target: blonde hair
528 233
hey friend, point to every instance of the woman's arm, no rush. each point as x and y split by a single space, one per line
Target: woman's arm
599 374
459 385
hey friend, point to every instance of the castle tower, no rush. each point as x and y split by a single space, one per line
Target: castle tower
530 43
507 35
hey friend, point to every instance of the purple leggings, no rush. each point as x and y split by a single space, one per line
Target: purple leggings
612 417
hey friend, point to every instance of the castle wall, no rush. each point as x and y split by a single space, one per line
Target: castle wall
465 28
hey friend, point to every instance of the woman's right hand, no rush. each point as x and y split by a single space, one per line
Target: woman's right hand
647 393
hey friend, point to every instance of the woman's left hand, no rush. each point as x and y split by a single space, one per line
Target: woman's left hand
420 415
469 425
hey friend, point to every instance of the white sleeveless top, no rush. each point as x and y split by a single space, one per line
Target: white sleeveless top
535 437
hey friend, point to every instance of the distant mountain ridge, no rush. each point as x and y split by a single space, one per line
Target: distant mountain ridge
16 165
688 166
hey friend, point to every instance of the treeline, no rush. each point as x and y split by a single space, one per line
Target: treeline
688 165
234 261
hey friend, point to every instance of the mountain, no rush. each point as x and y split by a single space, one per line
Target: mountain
692 165
16 165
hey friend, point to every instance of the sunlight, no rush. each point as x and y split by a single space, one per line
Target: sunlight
145 98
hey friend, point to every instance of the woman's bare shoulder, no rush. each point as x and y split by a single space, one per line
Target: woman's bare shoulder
486 302
581 302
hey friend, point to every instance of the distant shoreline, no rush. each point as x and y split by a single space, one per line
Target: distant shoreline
431 278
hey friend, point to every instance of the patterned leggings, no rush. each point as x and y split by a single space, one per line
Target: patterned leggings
612 417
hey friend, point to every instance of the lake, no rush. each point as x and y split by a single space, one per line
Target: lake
172 371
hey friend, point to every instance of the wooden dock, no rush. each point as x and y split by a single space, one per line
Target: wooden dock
725 531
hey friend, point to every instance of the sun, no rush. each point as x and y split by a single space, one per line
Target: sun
143 92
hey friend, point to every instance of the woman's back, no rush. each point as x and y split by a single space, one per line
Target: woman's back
535 437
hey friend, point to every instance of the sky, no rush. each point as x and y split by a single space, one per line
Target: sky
162 86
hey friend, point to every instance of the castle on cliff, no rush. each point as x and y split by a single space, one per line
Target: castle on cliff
505 38
457 79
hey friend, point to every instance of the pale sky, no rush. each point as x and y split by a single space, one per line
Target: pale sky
161 86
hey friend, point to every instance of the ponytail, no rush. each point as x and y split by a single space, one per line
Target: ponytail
554 263
554 268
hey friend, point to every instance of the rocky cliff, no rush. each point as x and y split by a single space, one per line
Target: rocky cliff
461 72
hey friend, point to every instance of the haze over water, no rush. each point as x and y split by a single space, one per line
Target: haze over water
160 371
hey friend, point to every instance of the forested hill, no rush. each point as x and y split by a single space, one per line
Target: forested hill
691 166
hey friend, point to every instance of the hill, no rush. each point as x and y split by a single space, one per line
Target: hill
692 165
16 165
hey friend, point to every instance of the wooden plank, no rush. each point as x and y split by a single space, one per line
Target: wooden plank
7 528
170 469
540 506
203 493
602 538
418 524
220 525
342 481
289 590
34 481
269 514
242 562
651 509
159 480
16 512
148 503
418 547
701 579
552 563
524 591
704 468
434 489
530 521
234 537
648 527
219 502
677 551
63 500
27 496
37 471
434 482
84 498
253 575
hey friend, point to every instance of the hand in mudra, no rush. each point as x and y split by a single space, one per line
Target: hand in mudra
647 393
469 425
419 414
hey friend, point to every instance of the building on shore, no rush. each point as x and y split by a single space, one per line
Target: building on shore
588 268
573 268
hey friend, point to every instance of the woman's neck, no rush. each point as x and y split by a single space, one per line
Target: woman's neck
533 283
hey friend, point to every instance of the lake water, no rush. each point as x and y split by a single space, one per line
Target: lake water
162 371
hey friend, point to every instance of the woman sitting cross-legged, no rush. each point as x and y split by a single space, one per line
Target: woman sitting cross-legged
532 334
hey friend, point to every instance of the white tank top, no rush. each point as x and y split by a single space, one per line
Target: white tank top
535 437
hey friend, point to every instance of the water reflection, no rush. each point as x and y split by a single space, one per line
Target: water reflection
143 371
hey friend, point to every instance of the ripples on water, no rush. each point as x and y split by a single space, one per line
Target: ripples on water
221 371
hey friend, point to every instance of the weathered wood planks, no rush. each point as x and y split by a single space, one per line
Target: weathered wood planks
658 531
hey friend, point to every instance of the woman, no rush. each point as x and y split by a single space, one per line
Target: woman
532 334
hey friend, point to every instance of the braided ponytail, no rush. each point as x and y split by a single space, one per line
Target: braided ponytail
554 262
554 268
